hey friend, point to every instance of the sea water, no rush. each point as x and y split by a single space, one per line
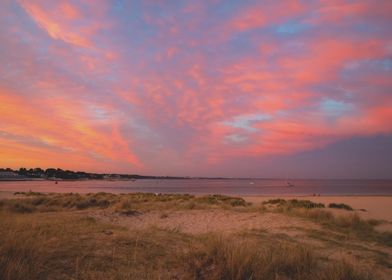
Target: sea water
210 186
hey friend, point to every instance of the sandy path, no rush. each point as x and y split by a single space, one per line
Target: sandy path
204 221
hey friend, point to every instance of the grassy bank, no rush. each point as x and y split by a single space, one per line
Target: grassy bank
53 237
351 225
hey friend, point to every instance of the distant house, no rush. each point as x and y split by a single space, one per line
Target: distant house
111 177
8 175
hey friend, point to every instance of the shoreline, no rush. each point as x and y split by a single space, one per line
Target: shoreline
225 194
233 195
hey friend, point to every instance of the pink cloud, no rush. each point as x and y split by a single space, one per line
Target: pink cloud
65 124
66 22
188 86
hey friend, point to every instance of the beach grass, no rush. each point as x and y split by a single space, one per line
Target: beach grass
68 246
293 203
39 202
54 236
228 258
340 206
351 225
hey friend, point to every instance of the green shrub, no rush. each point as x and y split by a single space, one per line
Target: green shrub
20 207
294 203
222 200
340 206
278 201
305 204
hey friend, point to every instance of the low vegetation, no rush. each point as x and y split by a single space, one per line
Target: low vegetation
350 225
293 203
226 258
29 193
218 199
64 245
39 202
52 236
340 206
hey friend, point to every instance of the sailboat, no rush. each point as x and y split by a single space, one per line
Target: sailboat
289 184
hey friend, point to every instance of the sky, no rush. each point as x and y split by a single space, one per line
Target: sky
299 89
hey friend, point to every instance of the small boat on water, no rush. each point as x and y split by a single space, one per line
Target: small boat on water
289 184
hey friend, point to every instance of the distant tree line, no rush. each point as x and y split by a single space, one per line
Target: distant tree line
57 173
53 173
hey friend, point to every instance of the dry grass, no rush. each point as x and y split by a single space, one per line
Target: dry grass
51 237
20 255
64 245
228 258
352 226
57 202
69 246
152 201
29 193
124 203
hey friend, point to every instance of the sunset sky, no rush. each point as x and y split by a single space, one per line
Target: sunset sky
199 88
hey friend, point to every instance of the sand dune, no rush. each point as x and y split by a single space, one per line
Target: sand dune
182 223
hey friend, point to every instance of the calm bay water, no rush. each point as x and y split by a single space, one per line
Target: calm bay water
206 186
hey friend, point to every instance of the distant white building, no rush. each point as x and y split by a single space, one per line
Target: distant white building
8 174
